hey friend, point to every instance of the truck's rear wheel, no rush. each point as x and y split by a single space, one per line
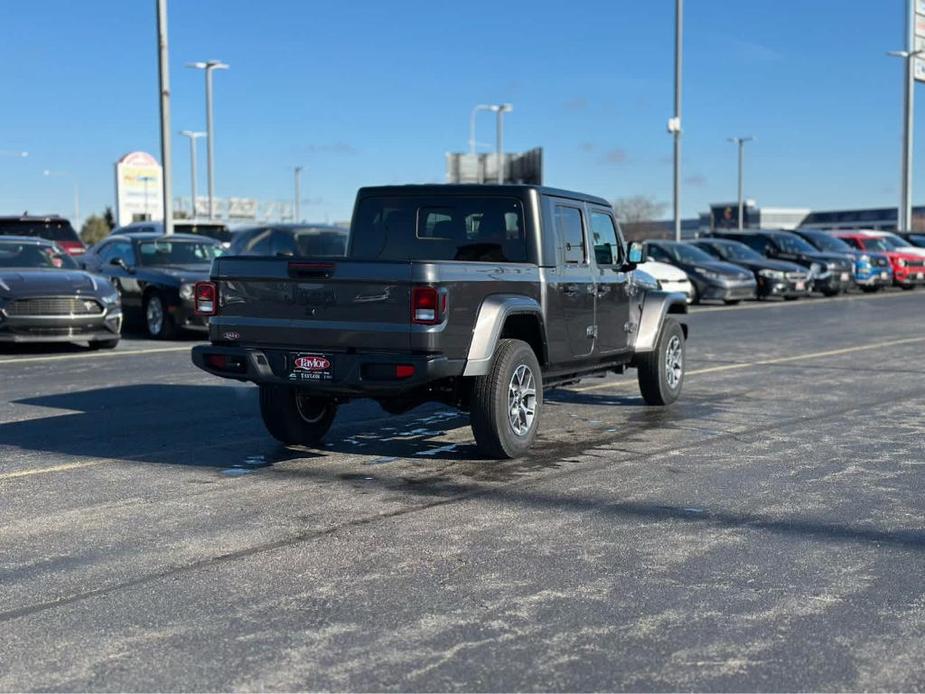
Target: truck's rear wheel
506 402
292 417
661 371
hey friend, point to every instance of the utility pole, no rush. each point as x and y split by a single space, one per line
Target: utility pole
193 136
740 141
298 194
163 73
500 110
208 66
674 125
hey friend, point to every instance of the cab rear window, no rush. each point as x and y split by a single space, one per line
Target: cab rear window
463 228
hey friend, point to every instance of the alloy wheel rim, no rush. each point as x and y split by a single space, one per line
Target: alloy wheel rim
521 400
674 362
155 315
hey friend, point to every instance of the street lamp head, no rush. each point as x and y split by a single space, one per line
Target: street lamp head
192 133
209 65
506 108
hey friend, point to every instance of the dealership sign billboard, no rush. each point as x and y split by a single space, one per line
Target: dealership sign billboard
139 184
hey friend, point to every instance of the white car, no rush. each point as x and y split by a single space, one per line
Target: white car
895 242
669 278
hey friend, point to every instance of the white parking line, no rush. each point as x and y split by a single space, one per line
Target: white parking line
95 355
814 301
762 362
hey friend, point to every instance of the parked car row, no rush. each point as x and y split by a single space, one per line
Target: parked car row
730 266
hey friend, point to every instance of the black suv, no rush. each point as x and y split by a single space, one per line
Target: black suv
830 273
51 228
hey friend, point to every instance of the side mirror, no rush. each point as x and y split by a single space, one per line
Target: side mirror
118 262
635 255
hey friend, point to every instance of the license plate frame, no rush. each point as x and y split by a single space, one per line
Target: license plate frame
311 367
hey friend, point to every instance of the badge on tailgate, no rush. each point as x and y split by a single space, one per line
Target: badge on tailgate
311 367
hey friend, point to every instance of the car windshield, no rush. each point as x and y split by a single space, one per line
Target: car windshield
791 243
33 255
738 251
824 242
51 229
876 243
893 242
161 252
686 253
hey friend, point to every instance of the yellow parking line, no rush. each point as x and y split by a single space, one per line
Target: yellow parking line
762 362
95 355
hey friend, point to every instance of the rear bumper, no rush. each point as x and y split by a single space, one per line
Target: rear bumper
351 372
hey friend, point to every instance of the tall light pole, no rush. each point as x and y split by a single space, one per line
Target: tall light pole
904 217
501 109
208 66
163 75
298 193
193 135
674 125
740 142
66 174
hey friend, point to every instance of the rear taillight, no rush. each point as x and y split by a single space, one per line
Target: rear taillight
428 305
205 295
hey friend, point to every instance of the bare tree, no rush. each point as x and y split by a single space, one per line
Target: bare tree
639 208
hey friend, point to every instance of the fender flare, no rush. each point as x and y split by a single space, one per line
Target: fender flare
493 312
653 309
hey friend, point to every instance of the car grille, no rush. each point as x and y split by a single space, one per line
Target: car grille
54 306
797 276
54 332
916 263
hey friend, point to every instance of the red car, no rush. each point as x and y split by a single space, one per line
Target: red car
908 269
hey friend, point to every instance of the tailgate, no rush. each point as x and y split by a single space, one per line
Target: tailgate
337 304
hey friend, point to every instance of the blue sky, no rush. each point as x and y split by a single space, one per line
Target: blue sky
366 92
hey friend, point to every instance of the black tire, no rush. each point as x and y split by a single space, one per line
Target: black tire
907 287
652 369
104 344
293 419
493 397
732 302
830 292
165 328
870 290
791 298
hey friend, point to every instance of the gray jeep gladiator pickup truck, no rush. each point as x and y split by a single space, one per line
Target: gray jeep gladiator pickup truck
475 296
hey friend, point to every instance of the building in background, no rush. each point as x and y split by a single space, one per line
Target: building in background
519 167
139 180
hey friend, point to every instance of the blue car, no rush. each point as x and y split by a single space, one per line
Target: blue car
872 271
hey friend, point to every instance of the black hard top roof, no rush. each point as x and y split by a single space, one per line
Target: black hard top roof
516 189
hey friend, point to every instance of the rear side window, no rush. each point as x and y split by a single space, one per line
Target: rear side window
475 229
604 239
570 233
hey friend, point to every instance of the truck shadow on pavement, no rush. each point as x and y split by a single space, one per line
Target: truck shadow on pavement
210 425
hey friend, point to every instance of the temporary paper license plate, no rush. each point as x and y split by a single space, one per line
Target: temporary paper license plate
800 286
305 366
883 275
845 276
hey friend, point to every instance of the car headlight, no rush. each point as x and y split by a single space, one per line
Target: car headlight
186 291
864 260
111 299
815 268
772 274
709 274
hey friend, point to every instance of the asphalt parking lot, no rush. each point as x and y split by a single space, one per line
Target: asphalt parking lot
766 533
